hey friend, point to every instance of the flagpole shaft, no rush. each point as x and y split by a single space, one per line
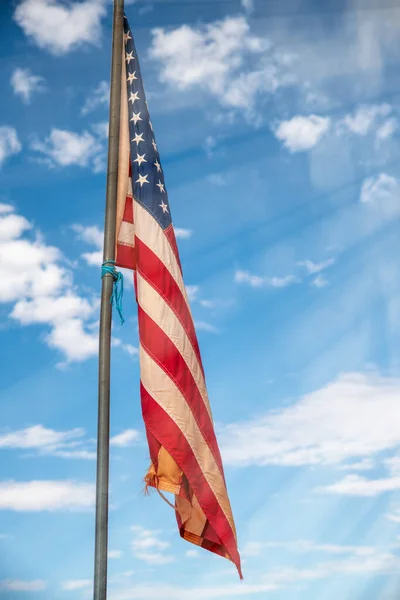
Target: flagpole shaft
103 428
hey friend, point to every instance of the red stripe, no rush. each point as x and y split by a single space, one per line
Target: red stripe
170 436
164 352
153 270
128 210
126 257
170 235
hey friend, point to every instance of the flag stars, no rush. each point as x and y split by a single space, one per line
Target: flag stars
164 207
140 158
151 125
161 186
129 57
131 77
127 37
154 146
133 97
138 138
142 179
157 166
136 117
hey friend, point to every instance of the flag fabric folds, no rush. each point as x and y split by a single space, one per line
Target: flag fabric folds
185 458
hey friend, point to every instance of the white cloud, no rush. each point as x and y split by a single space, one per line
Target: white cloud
76 584
170 592
125 438
248 5
65 444
37 436
98 97
91 234
114 554
302 546
257 281
217 179
25 84
41 289
382 190
6 208
364 118
192 291
355 485
65 148
387 129
329 426
9 143
128 348
183 234
223 58
204 326
320 281
313 267
302 133
94 236
192 554
72 338
366 464
34 496
60 28
17 585
147 546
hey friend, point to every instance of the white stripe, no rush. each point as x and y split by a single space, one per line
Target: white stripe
123 157
126 234
164 391
150 233
158 310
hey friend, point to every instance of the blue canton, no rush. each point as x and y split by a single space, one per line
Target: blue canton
147 175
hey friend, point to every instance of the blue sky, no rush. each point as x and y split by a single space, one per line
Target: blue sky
278 128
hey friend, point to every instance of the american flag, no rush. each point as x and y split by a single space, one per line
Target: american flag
185 458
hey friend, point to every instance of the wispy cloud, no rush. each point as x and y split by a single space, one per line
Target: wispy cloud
9 143
18 585
257 281
125 438
148 547
25 84
182 233
329 426
65 444
98 97
76 584
313 268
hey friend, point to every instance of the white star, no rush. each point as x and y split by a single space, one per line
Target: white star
129 57
151 125
164 207
158 166
140 158
133 97
142 179
154 145
127 37
136 117
161 186
138 138
131 77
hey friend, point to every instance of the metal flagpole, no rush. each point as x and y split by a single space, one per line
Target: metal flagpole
103 428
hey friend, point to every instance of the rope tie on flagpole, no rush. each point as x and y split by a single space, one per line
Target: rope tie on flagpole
108 268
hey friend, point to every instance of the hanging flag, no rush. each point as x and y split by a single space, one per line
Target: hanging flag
183 447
